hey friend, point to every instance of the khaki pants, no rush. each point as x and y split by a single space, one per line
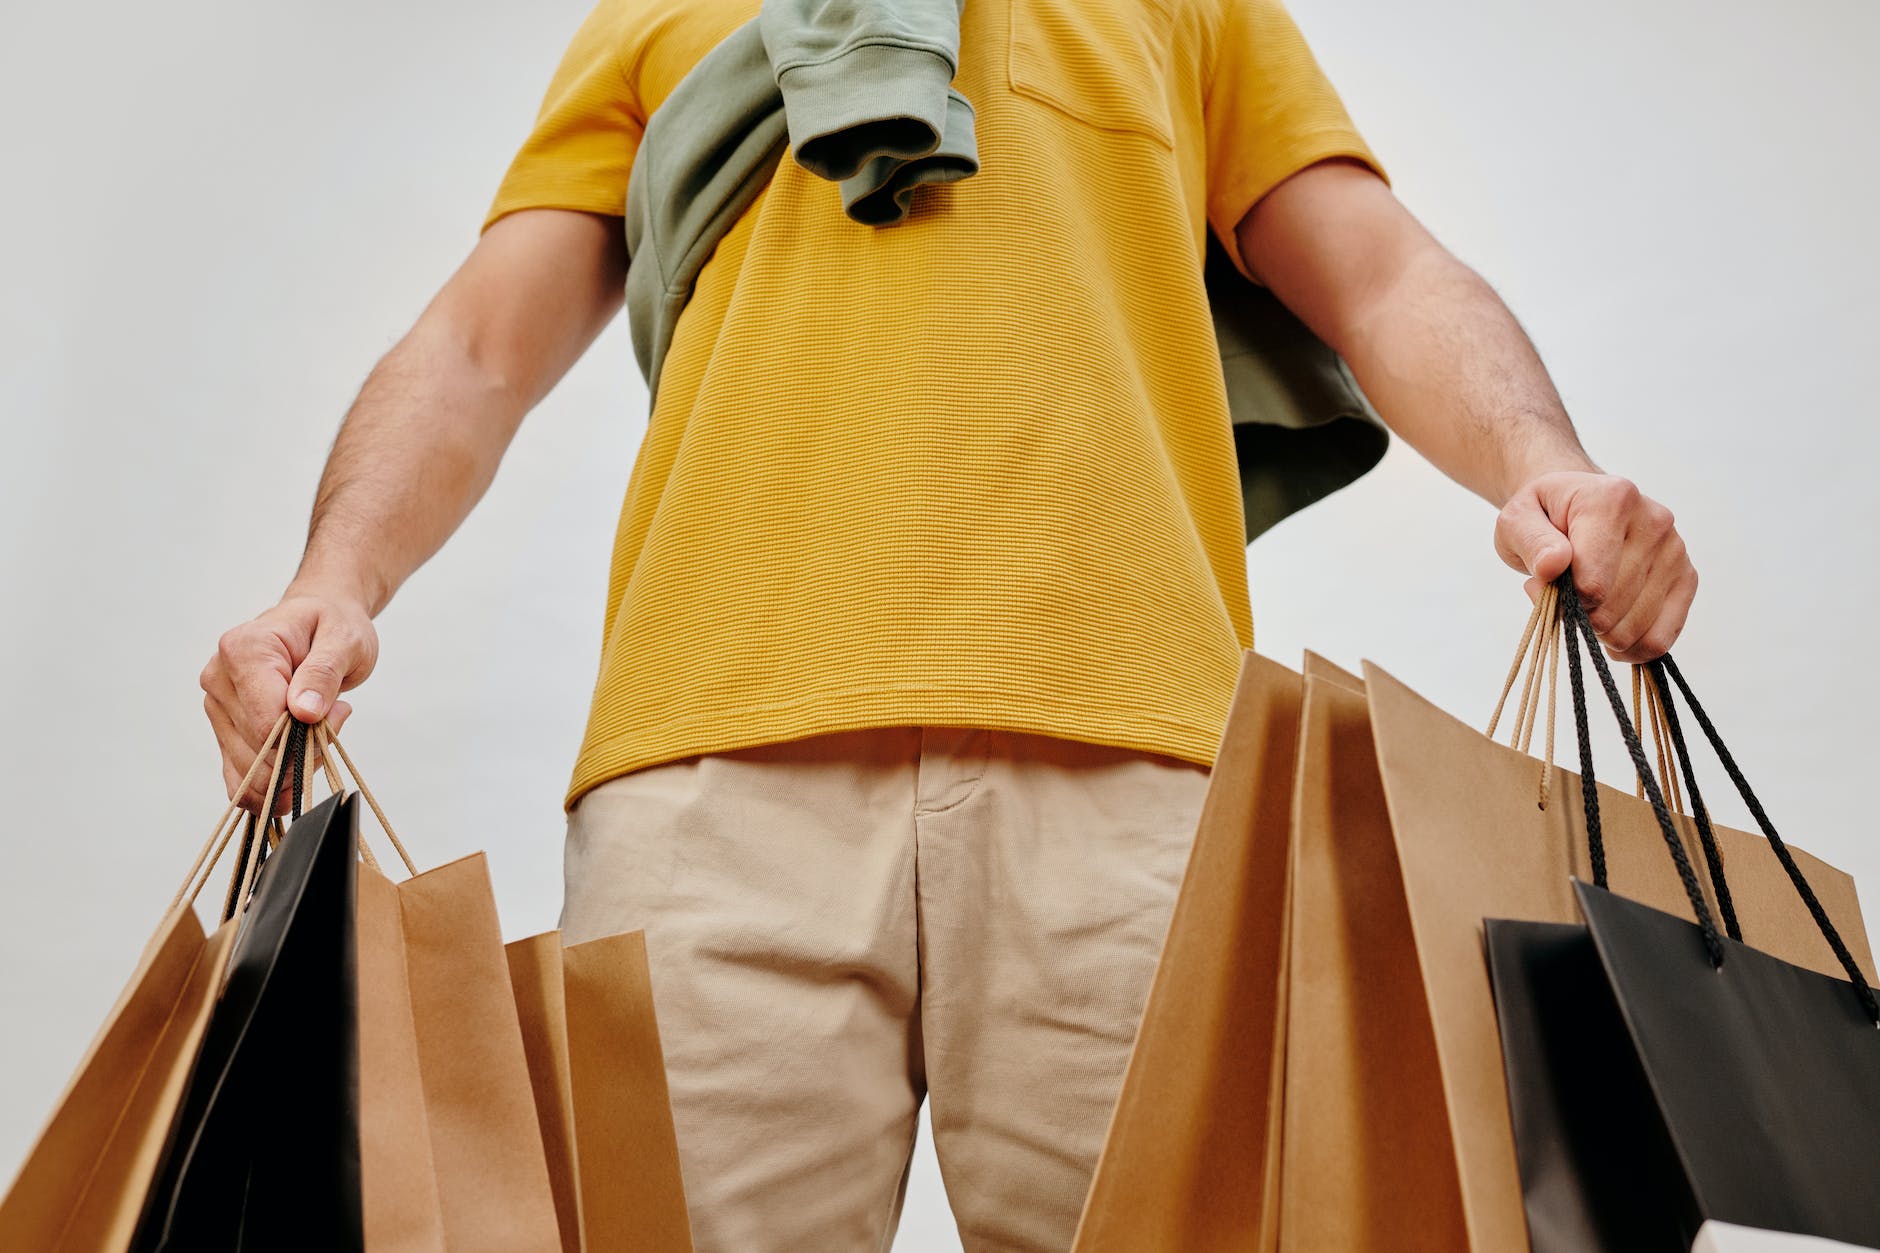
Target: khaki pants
842 924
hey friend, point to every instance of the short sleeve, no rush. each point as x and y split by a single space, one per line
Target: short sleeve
1268 112
581 150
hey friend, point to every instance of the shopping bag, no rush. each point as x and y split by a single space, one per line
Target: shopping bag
600 1093
1766 1075
263 1153
450 1148
453 1157
82 1185
1572 1078
1471 844
84 1182
1191 1158
540 985
447 1150
1662 1073
1253 1062
1362 1112
403 1209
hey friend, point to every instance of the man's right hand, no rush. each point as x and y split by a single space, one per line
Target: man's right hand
299 656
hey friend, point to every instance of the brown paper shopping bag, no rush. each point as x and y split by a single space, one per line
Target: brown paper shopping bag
450 1150
1343 1091
1362 1115
535 974
1472 842
600 1093
1410 827
1191 1161
398 1177
451 1154
83 1184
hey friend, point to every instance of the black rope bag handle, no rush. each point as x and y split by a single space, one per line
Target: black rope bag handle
1579 626
1802 887
294 748
1706 834
296 751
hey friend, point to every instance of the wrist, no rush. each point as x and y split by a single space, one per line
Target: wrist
331 582
1562 460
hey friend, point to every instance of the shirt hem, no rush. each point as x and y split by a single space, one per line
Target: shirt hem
1113 726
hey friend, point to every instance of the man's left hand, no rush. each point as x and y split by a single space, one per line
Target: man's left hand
1629 562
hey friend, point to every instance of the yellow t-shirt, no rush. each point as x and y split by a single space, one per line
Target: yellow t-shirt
975 469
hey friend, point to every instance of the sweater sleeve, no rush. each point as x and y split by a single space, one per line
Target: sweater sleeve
862 79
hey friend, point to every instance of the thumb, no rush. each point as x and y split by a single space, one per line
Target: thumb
318 678
1528 540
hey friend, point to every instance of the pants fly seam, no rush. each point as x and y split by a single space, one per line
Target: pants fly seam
985 764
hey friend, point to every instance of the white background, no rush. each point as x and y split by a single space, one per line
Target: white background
217 215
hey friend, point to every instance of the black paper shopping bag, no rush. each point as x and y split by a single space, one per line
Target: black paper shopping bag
1598 1170
264 1153
1766 1076
1662 1074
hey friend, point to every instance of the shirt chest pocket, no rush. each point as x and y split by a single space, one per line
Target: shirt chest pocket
1103 62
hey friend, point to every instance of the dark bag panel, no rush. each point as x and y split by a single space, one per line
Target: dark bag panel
264 1152
1766 1075
1597 1168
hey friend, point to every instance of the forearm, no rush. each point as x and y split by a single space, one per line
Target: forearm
423 440
1452 372
416 452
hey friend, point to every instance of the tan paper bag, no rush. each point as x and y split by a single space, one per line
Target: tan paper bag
451 1153
398 1178
604 1111
83 1184
1470 843
1403 828
84 1181
1363 1166
535 974
1191 1158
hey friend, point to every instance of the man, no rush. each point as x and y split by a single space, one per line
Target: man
929 590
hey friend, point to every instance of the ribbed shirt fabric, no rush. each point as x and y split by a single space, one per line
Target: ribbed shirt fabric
975 469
